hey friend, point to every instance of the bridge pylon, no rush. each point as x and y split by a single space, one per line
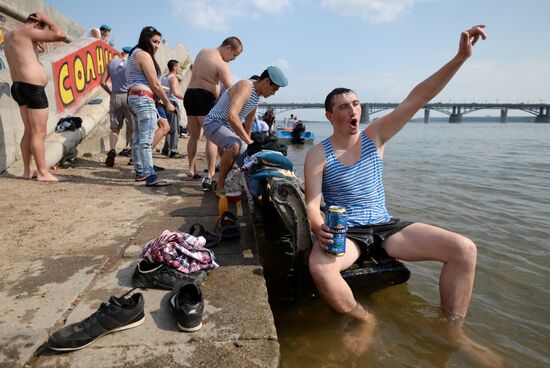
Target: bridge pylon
503 115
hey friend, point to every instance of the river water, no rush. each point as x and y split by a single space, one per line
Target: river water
489 181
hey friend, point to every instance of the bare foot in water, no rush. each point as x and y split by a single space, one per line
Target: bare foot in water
49 177
359 338
454 331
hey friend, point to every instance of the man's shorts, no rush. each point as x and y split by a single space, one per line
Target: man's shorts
198 102
369 238
119 110
224 138
30 95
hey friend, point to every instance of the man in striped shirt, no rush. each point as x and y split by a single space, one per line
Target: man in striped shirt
224 123
346 170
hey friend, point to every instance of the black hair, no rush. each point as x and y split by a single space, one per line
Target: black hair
171 64
104 29
144 43
232 41
334 93
264 75
32 18
254 77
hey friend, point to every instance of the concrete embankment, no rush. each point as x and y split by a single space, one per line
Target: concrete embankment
71 245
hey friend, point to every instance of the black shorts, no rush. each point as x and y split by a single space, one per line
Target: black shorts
369 238
198 102
30 95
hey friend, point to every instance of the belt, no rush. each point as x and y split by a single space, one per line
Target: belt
142 93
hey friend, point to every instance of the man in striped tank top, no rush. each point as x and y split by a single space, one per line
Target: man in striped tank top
346 170
224 123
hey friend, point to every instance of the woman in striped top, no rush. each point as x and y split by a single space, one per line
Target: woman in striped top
346 170
143 78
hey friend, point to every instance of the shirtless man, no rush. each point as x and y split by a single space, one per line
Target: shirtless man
29 79
209 70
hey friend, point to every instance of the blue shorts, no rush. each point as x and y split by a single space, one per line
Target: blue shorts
161 112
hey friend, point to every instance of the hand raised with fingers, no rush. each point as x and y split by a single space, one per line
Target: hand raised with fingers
469 38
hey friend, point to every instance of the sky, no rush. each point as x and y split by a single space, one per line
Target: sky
379 48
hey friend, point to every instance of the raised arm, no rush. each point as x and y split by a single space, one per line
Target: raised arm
384 128
314 166
50 33
239 93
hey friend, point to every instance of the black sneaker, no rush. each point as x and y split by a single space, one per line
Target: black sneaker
110 161
160 276
206 184
187 304
116 315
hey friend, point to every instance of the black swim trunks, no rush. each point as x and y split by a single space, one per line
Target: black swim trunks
198 101
30 95
369 238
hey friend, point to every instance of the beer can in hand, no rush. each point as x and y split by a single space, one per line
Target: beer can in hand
336 221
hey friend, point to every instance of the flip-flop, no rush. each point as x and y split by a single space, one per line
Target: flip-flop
212 239
158 183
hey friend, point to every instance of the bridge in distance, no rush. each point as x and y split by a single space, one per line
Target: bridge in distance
455 111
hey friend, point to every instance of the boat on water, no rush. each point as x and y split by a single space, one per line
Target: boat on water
296 134
286 136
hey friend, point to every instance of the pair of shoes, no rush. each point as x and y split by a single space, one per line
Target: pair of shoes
140 178
206 184
126 152
110 161
158 168
228 226
164 152
158 183
116 315
187 305
161 276
212 239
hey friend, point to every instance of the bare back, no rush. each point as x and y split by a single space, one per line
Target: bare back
208 71
22 56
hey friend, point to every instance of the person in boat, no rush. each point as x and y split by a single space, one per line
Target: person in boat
346 170
297 129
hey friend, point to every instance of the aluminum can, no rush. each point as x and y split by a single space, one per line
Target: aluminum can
336 221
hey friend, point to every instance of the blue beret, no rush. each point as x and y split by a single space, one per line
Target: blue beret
276 75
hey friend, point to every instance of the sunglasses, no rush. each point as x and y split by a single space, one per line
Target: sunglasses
151 29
